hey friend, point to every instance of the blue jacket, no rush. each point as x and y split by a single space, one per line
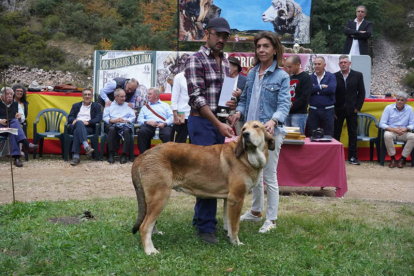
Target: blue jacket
96 113
323 97
274 96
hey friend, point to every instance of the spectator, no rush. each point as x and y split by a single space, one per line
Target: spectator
235 69
260 101
20 98
357 32
300 91
9 117
205 72
180 108
118 118
106 95
398 122
169 84
350 96
322 100
82 120
153 115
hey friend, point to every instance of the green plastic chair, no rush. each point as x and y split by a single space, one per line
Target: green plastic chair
363 133
55 120
94 138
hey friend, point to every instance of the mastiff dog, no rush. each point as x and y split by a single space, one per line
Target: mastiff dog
228 171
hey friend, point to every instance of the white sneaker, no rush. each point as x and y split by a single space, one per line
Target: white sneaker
248 216
267 226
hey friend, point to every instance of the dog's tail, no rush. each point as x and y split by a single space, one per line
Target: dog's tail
142 205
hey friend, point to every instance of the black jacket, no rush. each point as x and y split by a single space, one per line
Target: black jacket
96 113
351 34
351 97
13 109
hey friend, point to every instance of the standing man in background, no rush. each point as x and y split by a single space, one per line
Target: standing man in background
180 108
300 91
205 72
322 100
350 96
357 32
106 95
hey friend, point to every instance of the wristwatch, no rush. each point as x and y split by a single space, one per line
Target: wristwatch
275 120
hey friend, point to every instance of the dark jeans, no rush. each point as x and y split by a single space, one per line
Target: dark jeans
182 132
202 132
146 133
15 139
352 125
113 138
80 133
323 118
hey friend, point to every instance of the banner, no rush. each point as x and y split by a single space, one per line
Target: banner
290 19
125 64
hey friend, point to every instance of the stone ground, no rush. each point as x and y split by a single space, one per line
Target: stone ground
53 179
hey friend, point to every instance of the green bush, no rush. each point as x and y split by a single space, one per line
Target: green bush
409 80
59 36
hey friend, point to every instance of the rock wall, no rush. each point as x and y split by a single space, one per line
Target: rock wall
26 76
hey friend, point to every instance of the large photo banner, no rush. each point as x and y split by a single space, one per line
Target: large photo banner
290 19
139 65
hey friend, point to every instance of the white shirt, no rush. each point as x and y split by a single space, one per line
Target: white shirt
355 43
84 113
179 96
21 112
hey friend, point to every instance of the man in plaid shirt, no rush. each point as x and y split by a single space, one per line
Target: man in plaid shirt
205 72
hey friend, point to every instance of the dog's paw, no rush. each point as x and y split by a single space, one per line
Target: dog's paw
152 251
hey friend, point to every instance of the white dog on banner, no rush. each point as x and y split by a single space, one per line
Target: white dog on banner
287 18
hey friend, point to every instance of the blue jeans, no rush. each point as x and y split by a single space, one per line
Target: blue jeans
297 120
202 132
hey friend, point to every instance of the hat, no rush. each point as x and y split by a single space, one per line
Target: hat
219 24
235 61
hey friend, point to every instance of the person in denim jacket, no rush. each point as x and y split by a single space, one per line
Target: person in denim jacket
266 98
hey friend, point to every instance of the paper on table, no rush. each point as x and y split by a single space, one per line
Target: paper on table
226 90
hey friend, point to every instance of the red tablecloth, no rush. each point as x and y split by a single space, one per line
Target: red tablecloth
313 165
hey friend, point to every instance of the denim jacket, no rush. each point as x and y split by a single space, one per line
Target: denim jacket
274 97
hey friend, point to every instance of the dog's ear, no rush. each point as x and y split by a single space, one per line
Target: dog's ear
239 147
270 140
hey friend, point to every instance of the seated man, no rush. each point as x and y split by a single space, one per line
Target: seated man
118 118
82 120
155 114
398 122
9 111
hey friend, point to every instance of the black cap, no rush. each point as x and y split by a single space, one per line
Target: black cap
235 61
219 24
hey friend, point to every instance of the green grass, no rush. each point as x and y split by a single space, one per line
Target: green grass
314 236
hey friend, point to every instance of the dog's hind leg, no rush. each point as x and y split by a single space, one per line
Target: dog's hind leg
155 204
225 220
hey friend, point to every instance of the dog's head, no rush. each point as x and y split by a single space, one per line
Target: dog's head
254 136
281 10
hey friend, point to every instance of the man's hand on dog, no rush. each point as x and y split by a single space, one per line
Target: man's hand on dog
225 130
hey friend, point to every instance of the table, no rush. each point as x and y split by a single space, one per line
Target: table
314 164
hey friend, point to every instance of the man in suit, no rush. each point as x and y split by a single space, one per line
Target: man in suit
350 96
357 32
322 99
82 120
235 69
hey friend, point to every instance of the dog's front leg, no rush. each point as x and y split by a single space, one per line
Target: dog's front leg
234 208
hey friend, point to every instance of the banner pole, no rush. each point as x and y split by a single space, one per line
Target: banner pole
178 27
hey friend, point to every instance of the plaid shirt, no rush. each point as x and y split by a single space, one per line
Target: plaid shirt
204 78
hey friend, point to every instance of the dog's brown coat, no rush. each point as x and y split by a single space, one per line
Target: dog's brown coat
226 171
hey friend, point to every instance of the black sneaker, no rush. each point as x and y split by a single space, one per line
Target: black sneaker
208 237
354 161
75 161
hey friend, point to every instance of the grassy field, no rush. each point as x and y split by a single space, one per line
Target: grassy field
314 236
